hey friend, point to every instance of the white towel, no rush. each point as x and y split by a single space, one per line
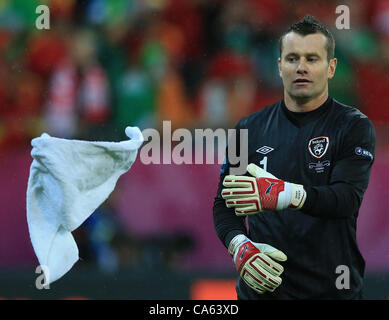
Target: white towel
69 180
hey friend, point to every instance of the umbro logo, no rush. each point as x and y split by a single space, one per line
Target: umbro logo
265 150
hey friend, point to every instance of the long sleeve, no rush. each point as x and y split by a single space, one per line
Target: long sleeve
227 224
349 178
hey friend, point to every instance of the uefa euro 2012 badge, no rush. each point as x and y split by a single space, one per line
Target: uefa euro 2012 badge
364 153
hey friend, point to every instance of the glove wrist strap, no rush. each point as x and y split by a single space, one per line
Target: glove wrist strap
235 243
293 197
298 196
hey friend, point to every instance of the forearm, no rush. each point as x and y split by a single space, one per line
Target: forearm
334 201
227 224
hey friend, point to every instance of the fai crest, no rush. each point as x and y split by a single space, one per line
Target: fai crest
318 146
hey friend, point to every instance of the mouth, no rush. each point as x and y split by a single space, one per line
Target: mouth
301 82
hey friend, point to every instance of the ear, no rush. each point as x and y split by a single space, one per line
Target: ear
279 67
332 67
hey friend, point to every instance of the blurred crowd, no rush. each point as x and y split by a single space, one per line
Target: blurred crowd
106 64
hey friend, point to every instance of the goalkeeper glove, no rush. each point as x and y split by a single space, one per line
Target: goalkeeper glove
262 192
254 263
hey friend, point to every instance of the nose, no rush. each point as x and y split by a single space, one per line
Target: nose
302 67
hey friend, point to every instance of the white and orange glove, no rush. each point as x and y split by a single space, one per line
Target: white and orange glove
261 192
254 263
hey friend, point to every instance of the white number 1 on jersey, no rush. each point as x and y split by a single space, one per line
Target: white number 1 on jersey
264 163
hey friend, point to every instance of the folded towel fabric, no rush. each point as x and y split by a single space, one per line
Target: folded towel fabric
68 181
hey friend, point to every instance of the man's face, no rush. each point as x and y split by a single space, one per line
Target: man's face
304 67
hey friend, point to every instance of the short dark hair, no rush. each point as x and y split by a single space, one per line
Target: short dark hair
310 25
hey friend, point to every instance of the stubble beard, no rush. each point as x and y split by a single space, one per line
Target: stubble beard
301 98
304 97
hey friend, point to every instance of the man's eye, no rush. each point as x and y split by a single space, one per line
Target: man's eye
292 59
312 59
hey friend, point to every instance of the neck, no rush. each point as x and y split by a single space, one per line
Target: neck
304 104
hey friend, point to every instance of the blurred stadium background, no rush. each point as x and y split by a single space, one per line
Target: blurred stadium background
106 64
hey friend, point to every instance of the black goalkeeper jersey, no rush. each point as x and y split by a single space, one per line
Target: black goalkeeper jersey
330 151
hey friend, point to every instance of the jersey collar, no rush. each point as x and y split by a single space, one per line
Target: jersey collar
300 119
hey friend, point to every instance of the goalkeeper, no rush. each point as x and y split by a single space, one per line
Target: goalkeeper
309 159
